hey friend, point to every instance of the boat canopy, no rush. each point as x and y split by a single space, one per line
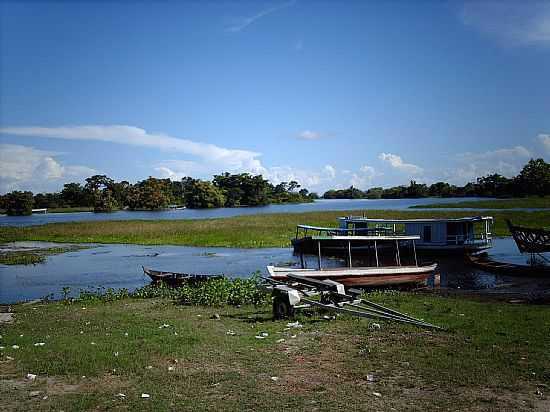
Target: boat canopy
422 220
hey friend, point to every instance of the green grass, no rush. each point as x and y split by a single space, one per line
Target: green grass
70 209
515 203
265 230
492 357
32 257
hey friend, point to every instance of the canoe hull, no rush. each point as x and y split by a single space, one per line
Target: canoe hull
482 261
367 276
176 279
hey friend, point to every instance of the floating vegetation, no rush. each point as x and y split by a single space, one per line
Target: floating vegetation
33 256
213 292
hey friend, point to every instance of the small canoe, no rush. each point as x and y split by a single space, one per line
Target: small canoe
483 261
177 279
362 276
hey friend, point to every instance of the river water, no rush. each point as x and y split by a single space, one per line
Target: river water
318 205
119 266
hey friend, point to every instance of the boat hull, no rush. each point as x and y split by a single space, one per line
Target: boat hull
175 279
366 276
482 261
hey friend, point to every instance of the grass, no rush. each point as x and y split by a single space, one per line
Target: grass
265 230
515 203
70 209
492 357
32 257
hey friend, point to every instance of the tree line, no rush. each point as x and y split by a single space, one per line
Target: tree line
103 194
533 180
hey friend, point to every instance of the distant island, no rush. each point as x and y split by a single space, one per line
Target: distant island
103 194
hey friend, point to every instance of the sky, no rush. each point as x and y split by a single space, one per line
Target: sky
328 93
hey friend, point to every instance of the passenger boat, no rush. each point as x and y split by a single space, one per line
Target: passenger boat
364 276
483 261
177 279
459 235
530 240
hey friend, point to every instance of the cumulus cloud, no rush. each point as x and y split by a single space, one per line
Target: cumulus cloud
516 23
330 171
309 135
506 161
397 162
27 168
544 139
223 158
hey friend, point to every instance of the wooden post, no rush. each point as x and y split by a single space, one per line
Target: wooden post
349 252
376 253
414 250
319 254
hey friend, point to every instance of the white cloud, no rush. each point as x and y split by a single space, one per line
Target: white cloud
330 171
220 157
544 139
396 162
27 168
505 161
244 22
516 23
309 135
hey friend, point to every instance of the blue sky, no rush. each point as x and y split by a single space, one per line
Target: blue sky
327 93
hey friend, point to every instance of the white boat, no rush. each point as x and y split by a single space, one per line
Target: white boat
379 275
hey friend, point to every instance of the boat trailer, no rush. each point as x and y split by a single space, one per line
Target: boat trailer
298 292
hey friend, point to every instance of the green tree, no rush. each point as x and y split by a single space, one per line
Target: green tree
19 203
534 178
203 195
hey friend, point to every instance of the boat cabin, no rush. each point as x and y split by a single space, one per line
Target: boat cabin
459 234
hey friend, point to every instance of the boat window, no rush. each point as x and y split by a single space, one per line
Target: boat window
427 234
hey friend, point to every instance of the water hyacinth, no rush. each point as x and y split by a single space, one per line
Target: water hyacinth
213 292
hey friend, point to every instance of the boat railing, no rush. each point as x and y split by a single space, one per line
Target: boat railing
482 238
336 231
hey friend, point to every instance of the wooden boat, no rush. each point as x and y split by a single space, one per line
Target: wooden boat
483 261
177 279
530 240
367 276
361 276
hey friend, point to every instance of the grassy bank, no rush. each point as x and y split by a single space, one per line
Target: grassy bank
527 202
32 257
493 357
267 230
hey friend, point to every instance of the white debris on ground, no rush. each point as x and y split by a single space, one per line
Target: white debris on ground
374 326
171 369
145 395
230 332
34 393
39 344
120 395
280 340
164 325
30 376
294 325
377 394
370 377
274 378
15 346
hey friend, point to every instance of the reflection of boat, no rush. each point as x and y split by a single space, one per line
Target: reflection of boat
530 240
177 279
379 275
483 261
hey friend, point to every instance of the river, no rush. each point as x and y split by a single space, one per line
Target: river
119 266
318 205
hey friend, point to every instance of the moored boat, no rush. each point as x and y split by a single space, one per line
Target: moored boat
530 240
382 274
483 261
176 278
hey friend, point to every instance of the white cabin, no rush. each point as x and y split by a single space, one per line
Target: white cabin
466 233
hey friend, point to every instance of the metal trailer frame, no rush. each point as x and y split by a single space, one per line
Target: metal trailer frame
298 293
